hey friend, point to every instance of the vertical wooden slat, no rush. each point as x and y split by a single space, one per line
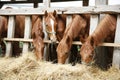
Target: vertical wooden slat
46 3
94 19
27 33
69 19
10 34
116 53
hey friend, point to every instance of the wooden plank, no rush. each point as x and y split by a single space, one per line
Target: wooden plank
46 3
10 34
69 19
116 55
101 2
48 41
27 33
93 23
69 10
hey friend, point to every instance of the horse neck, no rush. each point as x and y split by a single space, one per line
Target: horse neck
77 25
105 28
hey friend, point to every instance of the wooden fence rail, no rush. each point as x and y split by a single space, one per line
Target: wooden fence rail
48 41
111 9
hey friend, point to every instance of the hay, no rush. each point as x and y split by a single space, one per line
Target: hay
27 68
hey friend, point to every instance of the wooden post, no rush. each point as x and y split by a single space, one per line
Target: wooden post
10 34
46 3
116 53
27 33
94 20
69 19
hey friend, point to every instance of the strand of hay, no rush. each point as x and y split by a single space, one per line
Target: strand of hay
27 68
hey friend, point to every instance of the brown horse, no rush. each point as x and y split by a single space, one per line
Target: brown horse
104 32
38 35
55 27
78 28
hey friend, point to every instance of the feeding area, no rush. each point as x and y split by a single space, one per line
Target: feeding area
28 68
49 42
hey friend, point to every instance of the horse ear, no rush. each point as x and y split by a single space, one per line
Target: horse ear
54 13
46 13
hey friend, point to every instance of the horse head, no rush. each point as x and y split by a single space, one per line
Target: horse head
51 25
63 49
87 50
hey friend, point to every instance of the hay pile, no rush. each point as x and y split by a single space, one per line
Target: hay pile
27 68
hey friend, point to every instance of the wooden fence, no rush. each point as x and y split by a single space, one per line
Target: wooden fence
95 11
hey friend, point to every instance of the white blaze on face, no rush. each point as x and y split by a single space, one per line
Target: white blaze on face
53 37
52 23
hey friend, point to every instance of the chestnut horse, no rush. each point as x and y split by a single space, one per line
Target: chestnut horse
38 35
104 32
55 27
77 28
